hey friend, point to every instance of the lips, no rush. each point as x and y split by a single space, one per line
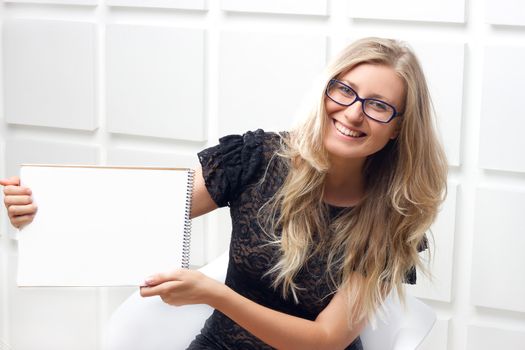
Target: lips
344 130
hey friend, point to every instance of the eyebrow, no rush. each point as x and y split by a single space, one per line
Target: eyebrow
380 97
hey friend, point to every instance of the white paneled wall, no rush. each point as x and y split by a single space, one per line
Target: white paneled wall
506 12
485 338
175 4
49 74
438 337
152 82
251 65
155 81
411 10
498 244
69 2
306 7
501 135
442 253
437 58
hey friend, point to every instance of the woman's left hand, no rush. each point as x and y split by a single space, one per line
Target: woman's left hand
182 287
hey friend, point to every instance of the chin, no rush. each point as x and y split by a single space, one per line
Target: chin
337 150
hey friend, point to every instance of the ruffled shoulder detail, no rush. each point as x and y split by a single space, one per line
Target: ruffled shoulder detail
411 275
229 167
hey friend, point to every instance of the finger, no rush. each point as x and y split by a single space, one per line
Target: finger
14 180
18 210
17 200
160 289
12 190
162 277
148 292
21 221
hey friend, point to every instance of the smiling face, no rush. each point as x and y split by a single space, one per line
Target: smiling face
349 133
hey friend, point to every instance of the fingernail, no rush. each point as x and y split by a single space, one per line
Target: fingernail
149 280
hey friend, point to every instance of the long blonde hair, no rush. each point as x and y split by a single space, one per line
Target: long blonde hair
405 184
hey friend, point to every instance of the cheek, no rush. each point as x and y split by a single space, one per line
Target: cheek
391 130
330 106
383 135
394 130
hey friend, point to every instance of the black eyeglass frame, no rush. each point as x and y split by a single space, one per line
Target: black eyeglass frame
362 100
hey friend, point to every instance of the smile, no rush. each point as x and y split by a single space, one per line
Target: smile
347 132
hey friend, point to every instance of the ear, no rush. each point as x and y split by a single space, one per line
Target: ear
397 128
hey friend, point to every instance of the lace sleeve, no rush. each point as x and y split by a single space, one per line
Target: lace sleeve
232 165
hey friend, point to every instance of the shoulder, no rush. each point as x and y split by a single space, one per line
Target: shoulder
247 143
236 162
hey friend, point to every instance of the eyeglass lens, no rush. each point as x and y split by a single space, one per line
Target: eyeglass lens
345 95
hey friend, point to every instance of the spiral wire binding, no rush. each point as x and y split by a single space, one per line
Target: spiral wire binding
186 240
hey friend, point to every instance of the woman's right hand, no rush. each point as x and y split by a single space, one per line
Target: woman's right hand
18 202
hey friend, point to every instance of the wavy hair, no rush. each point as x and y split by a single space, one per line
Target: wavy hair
405 183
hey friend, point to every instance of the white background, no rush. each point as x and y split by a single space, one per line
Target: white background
138 82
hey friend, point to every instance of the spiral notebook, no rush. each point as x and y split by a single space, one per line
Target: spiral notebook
104 226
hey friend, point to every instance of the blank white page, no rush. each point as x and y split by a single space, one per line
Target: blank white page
102 226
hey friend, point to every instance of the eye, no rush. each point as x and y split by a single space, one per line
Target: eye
345 90
378 105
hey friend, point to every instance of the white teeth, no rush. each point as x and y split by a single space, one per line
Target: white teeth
345 131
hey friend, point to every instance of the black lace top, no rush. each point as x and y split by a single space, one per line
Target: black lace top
241 173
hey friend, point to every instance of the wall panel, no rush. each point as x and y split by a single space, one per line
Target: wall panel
507 12
174 4
305 7
65 2
411 10
438 337
442 253
501 119
446 90
264 77
488 338
49 74
498 248
155 81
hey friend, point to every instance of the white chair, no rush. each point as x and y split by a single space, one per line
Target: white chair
148 323
405 328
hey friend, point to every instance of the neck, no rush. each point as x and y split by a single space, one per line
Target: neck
344 182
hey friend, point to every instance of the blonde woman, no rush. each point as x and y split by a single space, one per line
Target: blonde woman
327 219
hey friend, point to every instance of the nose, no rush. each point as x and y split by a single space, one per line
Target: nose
354 112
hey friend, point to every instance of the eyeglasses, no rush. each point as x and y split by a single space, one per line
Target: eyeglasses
344 95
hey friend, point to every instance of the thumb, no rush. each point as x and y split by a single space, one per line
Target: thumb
14 181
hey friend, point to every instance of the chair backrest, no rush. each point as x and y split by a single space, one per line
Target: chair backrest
147 323
404 328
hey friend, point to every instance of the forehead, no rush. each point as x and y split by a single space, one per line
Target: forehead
377 81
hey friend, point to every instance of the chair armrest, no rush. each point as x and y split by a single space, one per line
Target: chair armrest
148 323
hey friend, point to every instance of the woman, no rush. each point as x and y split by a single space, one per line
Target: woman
327 219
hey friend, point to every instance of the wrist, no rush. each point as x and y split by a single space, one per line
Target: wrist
218 294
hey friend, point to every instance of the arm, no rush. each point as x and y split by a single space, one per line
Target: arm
329 330
201 202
